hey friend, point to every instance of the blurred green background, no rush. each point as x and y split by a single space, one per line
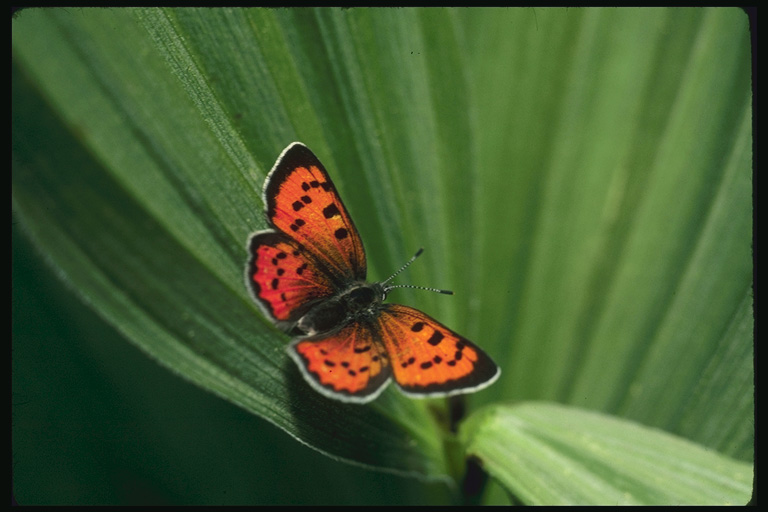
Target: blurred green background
581 178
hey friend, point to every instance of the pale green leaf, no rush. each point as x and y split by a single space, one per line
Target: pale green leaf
546 454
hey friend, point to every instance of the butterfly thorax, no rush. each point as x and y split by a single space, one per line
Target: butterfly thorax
356 302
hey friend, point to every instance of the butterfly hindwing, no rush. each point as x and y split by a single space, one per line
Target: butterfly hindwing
429 359
302 202
349 364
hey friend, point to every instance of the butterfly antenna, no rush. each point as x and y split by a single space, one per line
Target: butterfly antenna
391 287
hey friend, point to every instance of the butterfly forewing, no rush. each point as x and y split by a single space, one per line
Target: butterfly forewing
302 202
429 359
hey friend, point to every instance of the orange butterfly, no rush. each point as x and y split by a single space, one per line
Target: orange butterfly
308 275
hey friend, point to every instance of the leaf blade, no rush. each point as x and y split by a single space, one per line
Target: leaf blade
548 454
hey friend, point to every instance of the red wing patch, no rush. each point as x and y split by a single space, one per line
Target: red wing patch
283 278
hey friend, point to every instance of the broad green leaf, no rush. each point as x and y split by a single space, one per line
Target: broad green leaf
547 454
581 178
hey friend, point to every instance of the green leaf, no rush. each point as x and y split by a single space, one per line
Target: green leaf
547 454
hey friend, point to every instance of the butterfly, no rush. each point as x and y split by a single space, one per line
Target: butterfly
308 275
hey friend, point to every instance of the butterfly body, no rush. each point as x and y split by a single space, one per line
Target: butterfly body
358 302
308 275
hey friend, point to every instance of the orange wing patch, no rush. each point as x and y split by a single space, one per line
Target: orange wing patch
303 203
349 365
429 359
